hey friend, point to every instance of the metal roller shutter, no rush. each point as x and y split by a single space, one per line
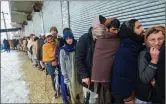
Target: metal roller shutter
52 15
149 13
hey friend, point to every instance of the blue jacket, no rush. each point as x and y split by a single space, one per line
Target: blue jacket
125 68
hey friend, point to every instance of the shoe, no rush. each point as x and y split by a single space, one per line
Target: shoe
46 73
56 95
42 69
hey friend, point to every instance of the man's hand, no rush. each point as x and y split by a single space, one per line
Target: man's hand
53 63
86 80
154 53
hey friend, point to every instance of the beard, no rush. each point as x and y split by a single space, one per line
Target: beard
138 38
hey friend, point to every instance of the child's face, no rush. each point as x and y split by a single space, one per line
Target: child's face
49 39
69 41
155 40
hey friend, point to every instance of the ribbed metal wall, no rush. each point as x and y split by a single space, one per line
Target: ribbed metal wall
149 13
52 15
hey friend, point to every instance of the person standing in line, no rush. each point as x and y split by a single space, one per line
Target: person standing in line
29 46
147 66
68 68
84 56
125 65
57 58
104 53
50 62
40 44
34 51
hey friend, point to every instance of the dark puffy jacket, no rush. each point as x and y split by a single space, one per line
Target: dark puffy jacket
39 48
146 72
160 80
125 68
84 54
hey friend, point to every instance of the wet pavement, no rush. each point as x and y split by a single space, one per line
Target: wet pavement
22 83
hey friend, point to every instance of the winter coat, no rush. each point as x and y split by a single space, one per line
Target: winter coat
58 47
146 72
34 49
160 77
48 52
25 44
39 48
68 69
84 55
105 49
125 68
30 42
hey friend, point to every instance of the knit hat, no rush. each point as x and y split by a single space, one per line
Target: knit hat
68 35
53 28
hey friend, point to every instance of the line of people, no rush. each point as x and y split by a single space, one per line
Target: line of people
116 67
110 64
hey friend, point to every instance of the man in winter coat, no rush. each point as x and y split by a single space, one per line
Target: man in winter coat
104 53
84 56
34 52
125 64
147 66
29 45
160 79
39 50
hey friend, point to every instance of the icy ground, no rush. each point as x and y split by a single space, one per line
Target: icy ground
13 87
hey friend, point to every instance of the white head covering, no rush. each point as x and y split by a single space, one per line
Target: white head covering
48 34
42 34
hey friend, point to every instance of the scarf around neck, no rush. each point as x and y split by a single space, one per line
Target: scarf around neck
70 48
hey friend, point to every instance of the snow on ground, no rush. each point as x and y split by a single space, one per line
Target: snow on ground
13 87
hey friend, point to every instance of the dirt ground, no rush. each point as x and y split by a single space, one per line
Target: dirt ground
40 88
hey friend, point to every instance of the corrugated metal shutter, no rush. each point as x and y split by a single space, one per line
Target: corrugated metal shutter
52 15
149 13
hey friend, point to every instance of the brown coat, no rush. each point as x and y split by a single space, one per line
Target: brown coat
105 49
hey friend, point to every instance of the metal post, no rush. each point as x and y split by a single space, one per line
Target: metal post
7 36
